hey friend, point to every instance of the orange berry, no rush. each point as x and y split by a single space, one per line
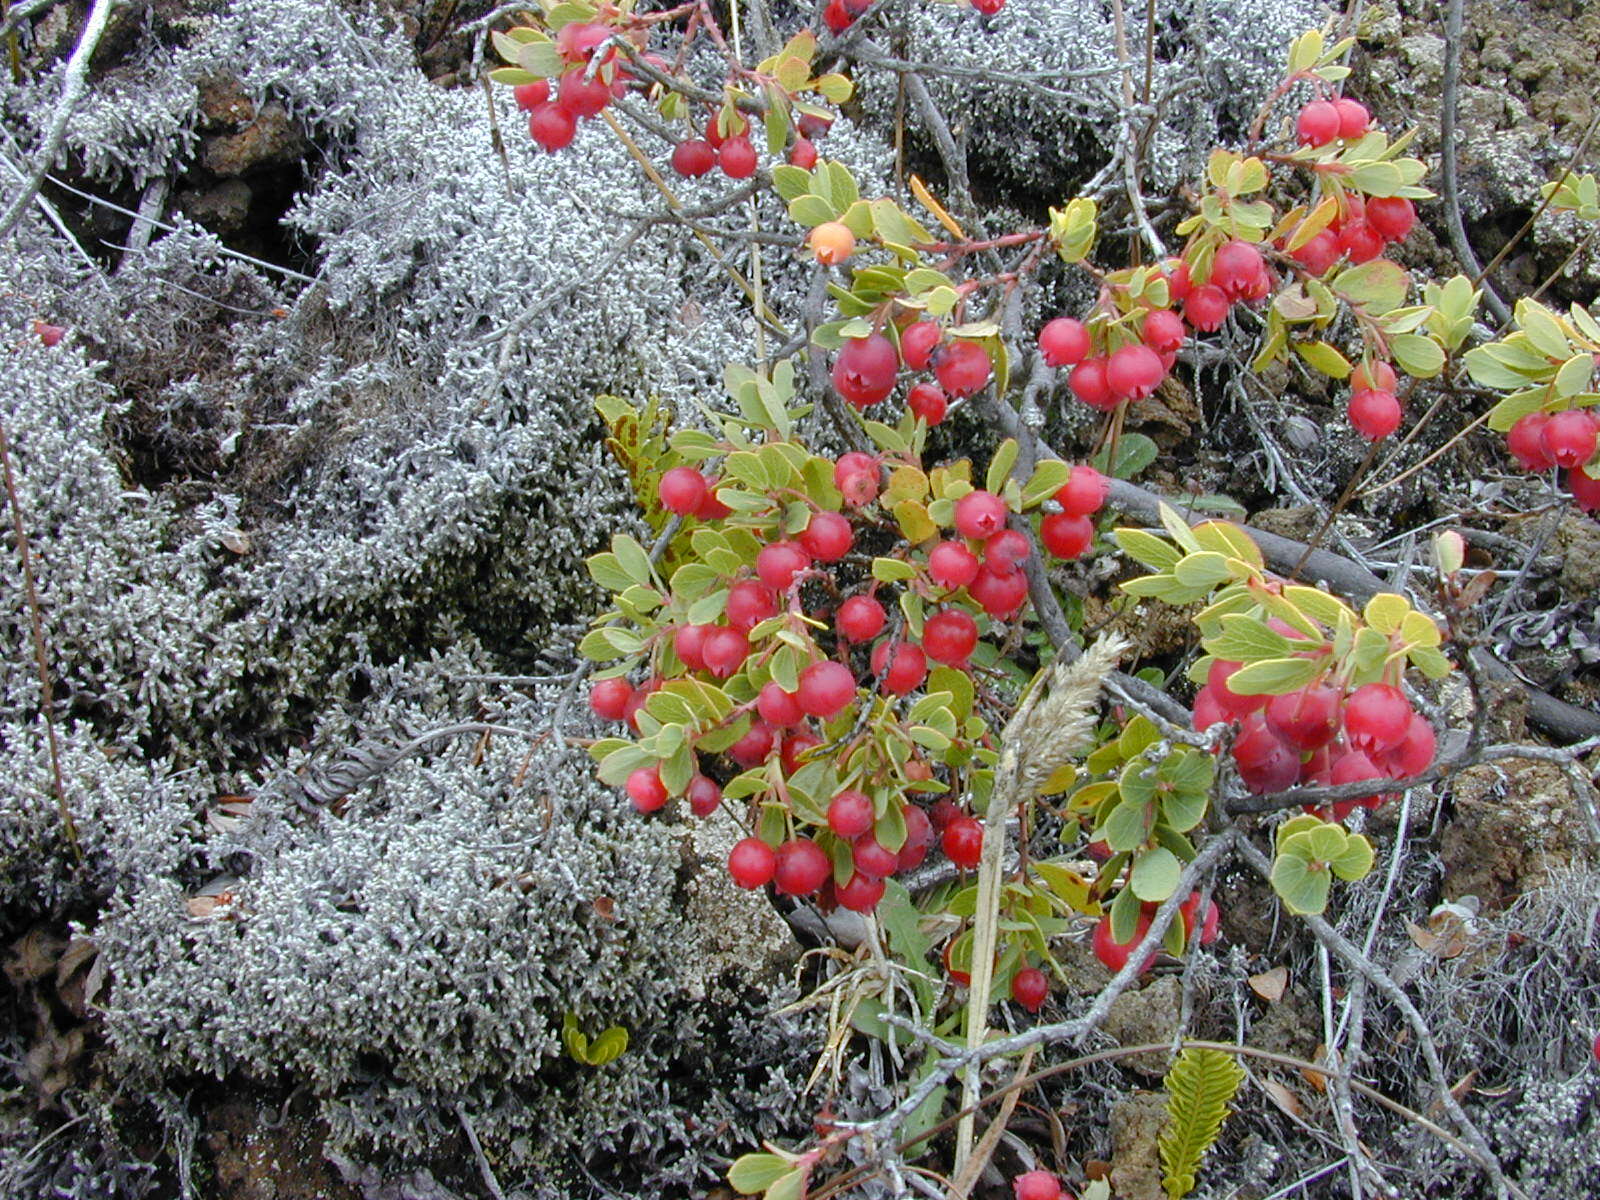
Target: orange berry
832 242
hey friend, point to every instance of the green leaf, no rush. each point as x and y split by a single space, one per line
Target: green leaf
1246 638
1135 452
1418 356
754 1173
1574 375
1274 676
606 570
1147 548
1324 358
1302 886
812 210
1046 480
608 1046
1128 826
892 570
1200 1085
791 182
1537 321
1203 570
631 557
1355 860
1155 874
1378 286
1005 457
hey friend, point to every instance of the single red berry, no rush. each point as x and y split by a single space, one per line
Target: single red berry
1318 123
47 333
1360 242
1585 488
530 95
1206 308
1391 216
1354 767
813 126
1163 330
577 40
778 563
1208 711
713 133
949 637
752 863
755 746
905 672
803 154
711 509
951 565
704 795
1035 1185
826 688
1353 117
1113 954
980 515
831 243
1569 437
864 371
646 790
918 342
682 490
1006 551
1236 267
778 707
1065 535
1304 719
582 97
850 814
643 692
962 368
737 158
1373 375
1236 705
861 893
749 604
859 619
947 956
792 752
1265 763
835 17
724 651
1525 440
694 157
857 477
927 403
1088 383
872 858
552 127
827 537
1320 253
1414 754
609 698
1208 926
1063 342
988 7
1084 493
963 842
999 593
919 837
1030 989
1374 415
1178 282
1134 371
1377 716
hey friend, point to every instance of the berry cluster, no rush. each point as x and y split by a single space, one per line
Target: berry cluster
866 368
582 91
1319 734
1114 954
839 15
1543 441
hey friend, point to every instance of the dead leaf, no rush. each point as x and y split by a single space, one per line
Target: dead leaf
1316 1078
1285 1099
1097 1168
1270 985
236 540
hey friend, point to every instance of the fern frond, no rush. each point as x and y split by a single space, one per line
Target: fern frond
1199 1086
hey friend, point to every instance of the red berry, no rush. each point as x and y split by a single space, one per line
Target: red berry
749 604
1526 442
856 475
1569 437
704 795
1208 711
1000 593
872 858
827 537
530 95
577 40
1415 754
1360 241
1134 371
1318 123
49 334
1354 767
752 863
835 17
646 790
1375 415
1265 763
1178 282
826 688
1063 342
1206 308
957 976
737 158
1035 1185
778 707
917 344
1163 330
1084 493
1305 719
793 751
1030 989
1114 954
962 368
1353 117
1392 217
949 637
1066 535
907 670
724 651
1208 927
803 154
552 127
682 490
1006 551
927 403
1088 383
1237 706
951 565
861 894
1585 488
963 842
693 157
1377 717
1319 253
643 692
988 7
713 133
919 836
779 563
859 619
582 97
1236 267
980 515
712 509
850 814
864 371
813 126
1373 375
802 867
609 698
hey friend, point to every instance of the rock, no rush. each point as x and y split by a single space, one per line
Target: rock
1136 1125
1514 823
1425 54
224 209
268 141
1149 1015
